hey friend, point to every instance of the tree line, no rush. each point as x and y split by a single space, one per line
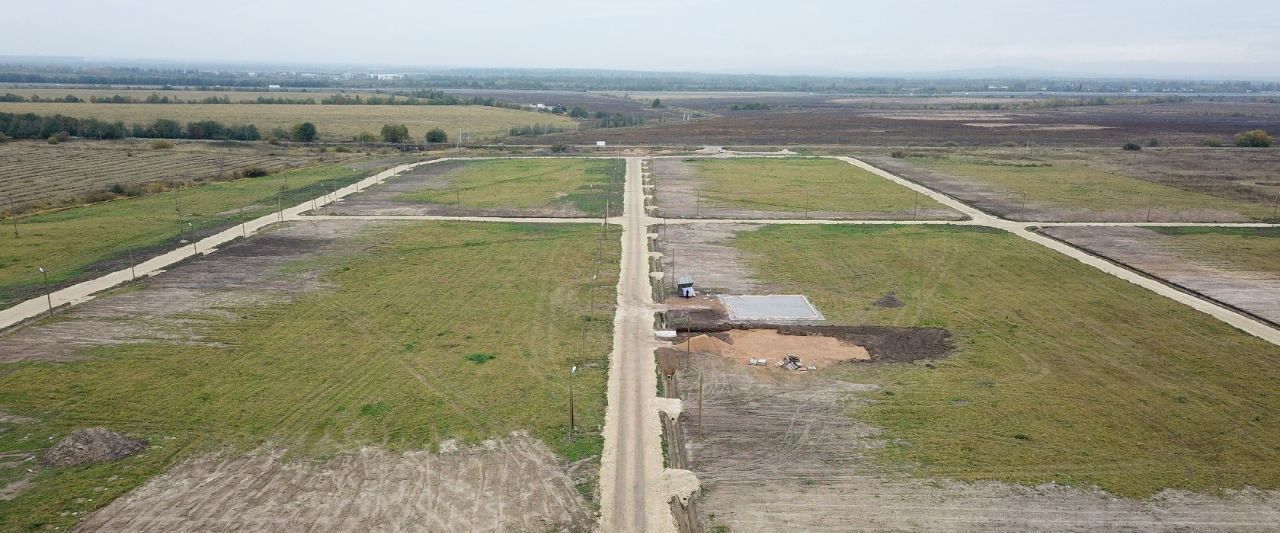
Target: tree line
33 126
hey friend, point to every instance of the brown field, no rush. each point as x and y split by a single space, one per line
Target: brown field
335 122
1073 184
34 172
817 120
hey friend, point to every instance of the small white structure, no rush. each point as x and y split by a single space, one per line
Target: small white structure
685 285
600 144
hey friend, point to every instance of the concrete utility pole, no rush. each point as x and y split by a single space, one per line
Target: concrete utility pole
573 423
48 296
133 272
13 213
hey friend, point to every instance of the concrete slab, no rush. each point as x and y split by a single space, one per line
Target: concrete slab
772 308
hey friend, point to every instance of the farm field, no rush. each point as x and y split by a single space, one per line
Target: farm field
1090 186
1059 374
81 242
334 122
35 174
1236 266
212 369
539 187
784 188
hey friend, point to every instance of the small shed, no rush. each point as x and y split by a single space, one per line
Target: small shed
685 286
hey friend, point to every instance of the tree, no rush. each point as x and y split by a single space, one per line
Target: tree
395 133
365 137
304 132
579 112
437 135
656 103
1253 139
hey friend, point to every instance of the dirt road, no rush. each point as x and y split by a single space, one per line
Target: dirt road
633 489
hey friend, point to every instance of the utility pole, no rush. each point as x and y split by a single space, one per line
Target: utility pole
1275 213
13 213
915 207
194 240
47 295
133 272
573 423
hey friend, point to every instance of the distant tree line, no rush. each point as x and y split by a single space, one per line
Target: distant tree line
753 106
33 126
533 129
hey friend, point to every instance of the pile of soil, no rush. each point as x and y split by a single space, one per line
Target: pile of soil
890 301
885 343
92 445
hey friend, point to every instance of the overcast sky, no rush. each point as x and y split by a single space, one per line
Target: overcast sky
1112 37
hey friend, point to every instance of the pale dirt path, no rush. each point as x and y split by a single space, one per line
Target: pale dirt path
85 291
634 487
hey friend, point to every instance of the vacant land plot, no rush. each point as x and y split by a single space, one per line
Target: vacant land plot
77 243
784 188
325 347
35 173
1072 186
335 122
498 187
1236 266
1061 374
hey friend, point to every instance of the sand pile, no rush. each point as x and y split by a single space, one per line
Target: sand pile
92 445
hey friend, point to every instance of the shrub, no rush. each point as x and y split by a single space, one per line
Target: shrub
481 358
1009 144
950 144
273 140
1154 142
1132 146
898 154
395 133
4 138
58 137
437 135
1253 139
342 149
365 137
161 145
1212 142
254 171
303 132
559 148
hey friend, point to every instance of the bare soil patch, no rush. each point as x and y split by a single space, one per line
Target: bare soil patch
703 252
512 484
89 446
779 451
1256 293
745 344
171 306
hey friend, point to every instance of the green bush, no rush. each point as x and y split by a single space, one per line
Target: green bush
437 135
1133 147
1253 139
1212 142
303 132
161 145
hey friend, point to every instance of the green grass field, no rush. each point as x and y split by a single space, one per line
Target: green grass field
796 185
334 122
1070 184
1062 373
1255 249
68 241
585 185
444 330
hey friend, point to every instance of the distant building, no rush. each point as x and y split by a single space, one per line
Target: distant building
386 77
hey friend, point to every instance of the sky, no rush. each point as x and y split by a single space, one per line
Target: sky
1169 38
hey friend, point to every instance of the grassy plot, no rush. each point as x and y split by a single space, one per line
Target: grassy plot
1073 185
1255 249
1062 373
335 122
68 241
442 331
585 185
796 185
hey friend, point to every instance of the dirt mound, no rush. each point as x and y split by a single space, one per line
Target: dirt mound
886 343
889 300
92 445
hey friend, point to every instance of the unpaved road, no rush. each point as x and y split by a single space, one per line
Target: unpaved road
631 463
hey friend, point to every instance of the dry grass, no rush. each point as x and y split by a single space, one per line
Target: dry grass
335 122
